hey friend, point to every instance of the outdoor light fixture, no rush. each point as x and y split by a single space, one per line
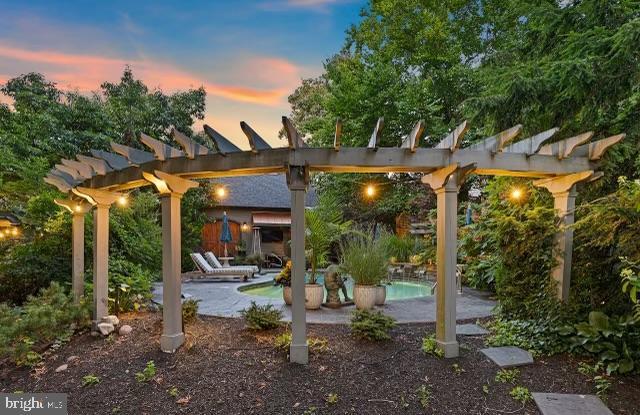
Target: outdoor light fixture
370 190
221 192
123 200
516 194
245 227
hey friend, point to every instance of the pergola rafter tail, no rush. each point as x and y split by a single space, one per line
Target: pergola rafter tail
99 178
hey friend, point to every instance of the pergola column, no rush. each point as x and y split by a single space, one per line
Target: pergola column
171 189
298 179
445 183
78 209
564 193
102 201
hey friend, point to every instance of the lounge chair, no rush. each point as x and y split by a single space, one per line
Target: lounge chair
207 270
215 263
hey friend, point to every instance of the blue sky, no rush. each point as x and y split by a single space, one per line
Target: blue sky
249 55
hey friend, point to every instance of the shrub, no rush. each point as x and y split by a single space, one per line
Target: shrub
507 375
190 310
129 286
540 337
90 380
316 344
521 394
371 325
402 248
147 373
41 319
261 317
430 346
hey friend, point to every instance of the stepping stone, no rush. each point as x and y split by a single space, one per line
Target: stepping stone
470 330
564 404
508 356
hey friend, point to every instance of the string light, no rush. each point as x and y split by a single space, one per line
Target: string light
123 200
221 192
516 193
370 191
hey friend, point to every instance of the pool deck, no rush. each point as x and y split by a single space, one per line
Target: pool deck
223 299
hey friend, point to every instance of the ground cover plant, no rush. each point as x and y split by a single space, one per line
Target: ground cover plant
371 325
261 317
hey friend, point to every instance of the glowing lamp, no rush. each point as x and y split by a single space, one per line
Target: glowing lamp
370 191
123 201
516 194
221 192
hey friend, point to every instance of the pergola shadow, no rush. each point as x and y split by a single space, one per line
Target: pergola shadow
97 182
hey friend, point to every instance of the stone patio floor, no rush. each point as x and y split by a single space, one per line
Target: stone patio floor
223 299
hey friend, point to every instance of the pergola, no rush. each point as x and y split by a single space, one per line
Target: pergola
97 181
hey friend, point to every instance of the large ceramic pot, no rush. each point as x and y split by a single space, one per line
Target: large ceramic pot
314 294
364 296
381 294
286 295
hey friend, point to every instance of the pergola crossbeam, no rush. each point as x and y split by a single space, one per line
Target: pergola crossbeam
293 136
375 136
116 161
190 147
337 138
496 143
412 140
532 144
256 142
134 155
563 149
71 171
452 140
161 150
85 170
223 145
595 150
98 165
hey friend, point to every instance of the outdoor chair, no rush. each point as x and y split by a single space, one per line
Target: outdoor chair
215 263
273 261
206 270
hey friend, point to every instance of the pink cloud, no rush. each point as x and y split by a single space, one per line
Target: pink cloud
86 72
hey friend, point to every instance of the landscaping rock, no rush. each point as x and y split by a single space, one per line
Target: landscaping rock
62 368
106 328
508 356
565 404
125 329
111 320
72 358
470 330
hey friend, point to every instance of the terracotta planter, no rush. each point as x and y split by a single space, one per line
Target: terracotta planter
286 295
381 294
364 296
314 295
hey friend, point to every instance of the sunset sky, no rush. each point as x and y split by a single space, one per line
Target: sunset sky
249 55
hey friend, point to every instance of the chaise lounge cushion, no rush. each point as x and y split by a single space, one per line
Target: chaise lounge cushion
211 258
206 268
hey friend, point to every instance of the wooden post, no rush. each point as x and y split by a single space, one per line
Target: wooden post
297 178
171 189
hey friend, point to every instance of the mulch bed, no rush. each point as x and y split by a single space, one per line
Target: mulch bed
224 369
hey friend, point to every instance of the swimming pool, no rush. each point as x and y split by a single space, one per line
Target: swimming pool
397 290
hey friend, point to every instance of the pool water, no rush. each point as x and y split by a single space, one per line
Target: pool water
397 290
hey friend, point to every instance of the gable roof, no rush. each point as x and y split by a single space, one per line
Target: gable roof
264 191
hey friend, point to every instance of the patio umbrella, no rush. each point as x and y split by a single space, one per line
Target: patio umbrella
225 236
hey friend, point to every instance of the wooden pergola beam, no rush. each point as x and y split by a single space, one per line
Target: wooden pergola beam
452 140
116 161
595 150
223 145
160 149
338 135
375 136
256 142
532 144
411 141
495 143
293 136
134 155
563 149
190 147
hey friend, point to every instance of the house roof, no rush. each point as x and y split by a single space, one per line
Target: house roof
264 191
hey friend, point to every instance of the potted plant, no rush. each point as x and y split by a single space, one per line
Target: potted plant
365 259
324 225
381 293
283 279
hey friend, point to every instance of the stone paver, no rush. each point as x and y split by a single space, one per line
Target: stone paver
508 356
470 330
563 404
223 299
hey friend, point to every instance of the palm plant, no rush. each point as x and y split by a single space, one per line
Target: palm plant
324 225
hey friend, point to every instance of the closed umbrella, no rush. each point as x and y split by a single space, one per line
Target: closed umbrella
225 236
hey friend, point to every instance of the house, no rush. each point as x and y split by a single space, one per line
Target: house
258 211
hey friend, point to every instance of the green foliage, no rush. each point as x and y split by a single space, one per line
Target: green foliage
129 286
147 373
507 375
521 394
430 346
316 344
402 248
602 384
371 325
541 336
261 317
424 395
631 284
190 311
90 380
364 258
283 278
38 321
324 225
332 398
615 342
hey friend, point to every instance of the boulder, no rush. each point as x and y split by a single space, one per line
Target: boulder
125 329
111 320
62 368
106 328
